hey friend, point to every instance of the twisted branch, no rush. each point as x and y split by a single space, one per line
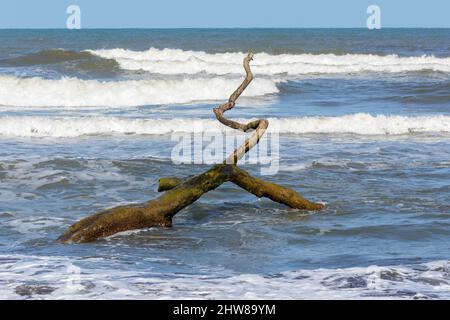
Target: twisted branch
181 193
260 125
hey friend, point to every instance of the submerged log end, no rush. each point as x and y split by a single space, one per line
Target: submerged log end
273 191
112 221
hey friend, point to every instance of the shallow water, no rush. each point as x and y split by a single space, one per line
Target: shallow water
367 134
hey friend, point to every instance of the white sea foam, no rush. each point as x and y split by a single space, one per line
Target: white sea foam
176 61
63 278
35 224
73 92
360 124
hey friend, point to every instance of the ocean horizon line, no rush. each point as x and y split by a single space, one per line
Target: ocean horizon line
227 28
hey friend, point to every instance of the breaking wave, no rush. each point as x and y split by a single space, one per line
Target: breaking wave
359 124
176 61
74 92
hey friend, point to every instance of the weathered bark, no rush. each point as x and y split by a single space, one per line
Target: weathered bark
168 183
259 126
159 212
258 187
181 193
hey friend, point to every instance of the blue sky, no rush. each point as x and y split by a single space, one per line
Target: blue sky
224 13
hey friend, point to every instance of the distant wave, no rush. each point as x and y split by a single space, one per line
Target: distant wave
176 61
73 92
83 60
47 57
359 124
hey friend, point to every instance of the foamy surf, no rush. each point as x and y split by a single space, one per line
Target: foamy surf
383 173
73 92
176 61
42 277
358 124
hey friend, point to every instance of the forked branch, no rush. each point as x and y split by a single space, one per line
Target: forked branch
181 193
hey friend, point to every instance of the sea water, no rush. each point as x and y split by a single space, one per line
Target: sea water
87 119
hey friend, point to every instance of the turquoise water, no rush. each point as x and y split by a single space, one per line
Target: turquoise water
87 120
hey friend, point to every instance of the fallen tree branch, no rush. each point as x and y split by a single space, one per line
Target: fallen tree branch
181 193
159 212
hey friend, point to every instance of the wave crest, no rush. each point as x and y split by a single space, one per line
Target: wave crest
73 92
359 124
176 61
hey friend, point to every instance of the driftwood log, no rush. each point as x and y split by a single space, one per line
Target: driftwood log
180 193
